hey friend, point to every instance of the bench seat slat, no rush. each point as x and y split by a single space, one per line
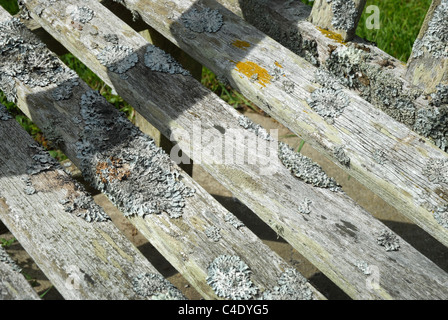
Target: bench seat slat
83 260
13 285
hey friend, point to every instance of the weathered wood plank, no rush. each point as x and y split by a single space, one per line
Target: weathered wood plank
378 77
428 64
198 236
189 64
13 285
69 237
339 16
176 104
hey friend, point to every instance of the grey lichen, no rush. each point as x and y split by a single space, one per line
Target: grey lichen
344 14
304 206
440 96
437 171
229 277
42 161
118 59
52 133
327 79
155 287
4 114
205 20
230 218
388 240
122 162
305 169
248 124
82 14
435 39
291 286
6 259
66 82
341 156
111 37
346 64
328 102
212 233
122 2
379 156
300 166
288 86
352 67
441 216
432 122
26 59
364 267
24 12
84 206
29 189
158 60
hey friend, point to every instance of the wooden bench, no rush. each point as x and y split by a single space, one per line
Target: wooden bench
324 87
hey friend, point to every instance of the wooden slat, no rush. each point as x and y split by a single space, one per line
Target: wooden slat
13 285
340 16
138 177
428 64
361 66
189 64
177 104
83 260
401 180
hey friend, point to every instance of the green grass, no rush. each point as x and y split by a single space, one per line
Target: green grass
6 243
400 23
10 5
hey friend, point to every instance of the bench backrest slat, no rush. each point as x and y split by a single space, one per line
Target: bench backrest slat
339 16
428 65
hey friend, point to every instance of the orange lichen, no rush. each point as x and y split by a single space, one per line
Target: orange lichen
112 171
255 72
332 35
278 64
243 45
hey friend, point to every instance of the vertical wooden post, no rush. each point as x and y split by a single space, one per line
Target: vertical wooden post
339 16
428 64
188 63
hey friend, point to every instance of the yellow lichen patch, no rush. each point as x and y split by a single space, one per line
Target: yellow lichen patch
243 45
278 64
255 72
332 35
